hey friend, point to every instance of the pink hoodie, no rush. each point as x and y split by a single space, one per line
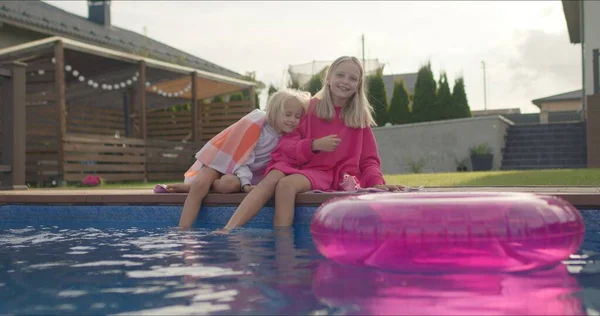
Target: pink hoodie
356 155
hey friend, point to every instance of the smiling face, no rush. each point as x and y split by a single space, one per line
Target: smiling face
289 116
343 82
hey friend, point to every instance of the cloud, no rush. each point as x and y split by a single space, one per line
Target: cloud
542 57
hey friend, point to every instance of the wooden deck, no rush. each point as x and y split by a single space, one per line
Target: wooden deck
587 197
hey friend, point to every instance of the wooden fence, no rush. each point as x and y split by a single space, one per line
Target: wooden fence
216 117
95 142
170 125
95 120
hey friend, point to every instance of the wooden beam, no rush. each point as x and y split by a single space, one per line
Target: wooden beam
194 104
129 114
61 107
141 101
252 99
13 128
27 52
141 98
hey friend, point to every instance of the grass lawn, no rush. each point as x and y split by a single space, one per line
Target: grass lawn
553 177
557 177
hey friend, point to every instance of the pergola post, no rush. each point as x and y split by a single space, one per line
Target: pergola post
141 98
252 99
141 102
61 106
13 129
195 117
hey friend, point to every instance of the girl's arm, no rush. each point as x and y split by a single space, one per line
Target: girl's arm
294 147
370 163
244 173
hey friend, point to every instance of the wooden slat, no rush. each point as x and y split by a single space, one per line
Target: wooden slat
168 114
94 139
128 176
95 130
105 158
100 148
100 121
157 176
168 132
72 167
220 111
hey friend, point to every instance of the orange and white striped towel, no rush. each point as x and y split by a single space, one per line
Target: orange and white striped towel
229 149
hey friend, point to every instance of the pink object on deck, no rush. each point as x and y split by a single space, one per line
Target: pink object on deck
448 231
91 180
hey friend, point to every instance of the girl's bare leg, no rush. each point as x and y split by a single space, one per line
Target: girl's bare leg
255 200
227 184
198 191
285 198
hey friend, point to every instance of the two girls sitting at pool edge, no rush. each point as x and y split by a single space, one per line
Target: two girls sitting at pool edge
333 138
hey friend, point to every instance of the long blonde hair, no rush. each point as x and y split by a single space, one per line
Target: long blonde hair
278 100
357 112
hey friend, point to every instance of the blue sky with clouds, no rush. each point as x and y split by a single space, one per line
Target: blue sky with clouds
524 43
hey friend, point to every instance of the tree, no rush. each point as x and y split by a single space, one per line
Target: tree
294 83
378 98
315 84
271 90
399 112
251 76
444 108
238 96
460 104
424 96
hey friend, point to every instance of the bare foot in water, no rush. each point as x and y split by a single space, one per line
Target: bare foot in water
178 188
222 231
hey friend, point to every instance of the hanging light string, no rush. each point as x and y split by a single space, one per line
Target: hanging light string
117 85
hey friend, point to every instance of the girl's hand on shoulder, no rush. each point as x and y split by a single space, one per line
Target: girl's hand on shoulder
247 188
390 187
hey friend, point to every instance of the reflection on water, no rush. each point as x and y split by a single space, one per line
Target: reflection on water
549 292
109 270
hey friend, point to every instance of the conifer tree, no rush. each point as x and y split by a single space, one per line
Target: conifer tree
460 104
425 95
444 107
399 112
378 98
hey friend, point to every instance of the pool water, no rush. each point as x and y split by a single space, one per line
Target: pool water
75 268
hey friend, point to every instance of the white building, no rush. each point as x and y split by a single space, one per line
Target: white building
583 23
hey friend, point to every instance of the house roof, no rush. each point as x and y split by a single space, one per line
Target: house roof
567 96
410 80
44 18
572 11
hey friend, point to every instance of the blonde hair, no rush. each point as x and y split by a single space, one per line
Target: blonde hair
357 112
280 97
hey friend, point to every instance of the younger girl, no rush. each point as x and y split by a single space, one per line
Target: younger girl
334 138
235 159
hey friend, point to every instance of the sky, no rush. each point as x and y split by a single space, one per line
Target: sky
524 44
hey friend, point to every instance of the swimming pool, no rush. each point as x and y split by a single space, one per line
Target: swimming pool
92 259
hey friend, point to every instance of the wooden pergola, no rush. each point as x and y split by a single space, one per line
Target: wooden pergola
92 110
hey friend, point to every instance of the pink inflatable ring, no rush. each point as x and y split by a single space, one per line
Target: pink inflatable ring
448 231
